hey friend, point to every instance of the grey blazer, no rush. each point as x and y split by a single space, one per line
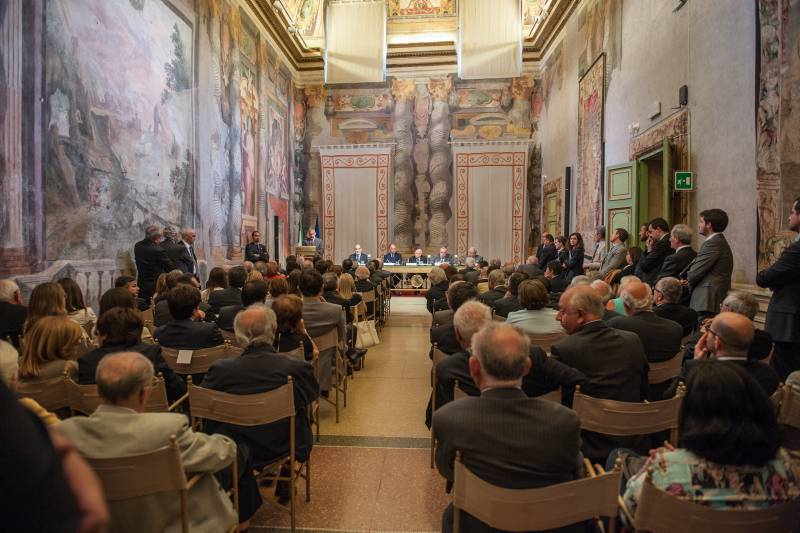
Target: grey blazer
709 274
320 318
615 258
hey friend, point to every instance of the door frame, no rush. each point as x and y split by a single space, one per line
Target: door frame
665 152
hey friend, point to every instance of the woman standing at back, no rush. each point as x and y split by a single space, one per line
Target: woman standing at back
574 265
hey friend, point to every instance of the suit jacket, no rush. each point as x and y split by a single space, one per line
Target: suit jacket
87 366
414 260
472 275
507 439
436 297
261 369
709 274
685 316
394 258
151 261
531 270
615 367
783 313
359 258
764 374
179 255
226 316
651 262
316 242
443 318
545 254
255 251
615 258
162 315
437 259
12 318
221 298
559 283
675 264
660 337
189 335
490 296
574 263
445 337
320 318
504 306
113 431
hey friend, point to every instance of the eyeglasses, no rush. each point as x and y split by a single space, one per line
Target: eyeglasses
709 330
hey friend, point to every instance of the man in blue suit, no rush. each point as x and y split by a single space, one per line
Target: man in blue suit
392 258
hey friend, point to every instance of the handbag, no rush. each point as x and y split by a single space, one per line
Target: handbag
367 334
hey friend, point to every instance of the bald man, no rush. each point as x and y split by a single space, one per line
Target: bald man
727 338
505 438
120 427
612 360
660 337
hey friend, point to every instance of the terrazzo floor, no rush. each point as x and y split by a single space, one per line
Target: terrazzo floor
371 471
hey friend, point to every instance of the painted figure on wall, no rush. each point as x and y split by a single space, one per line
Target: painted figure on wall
249 112
278 164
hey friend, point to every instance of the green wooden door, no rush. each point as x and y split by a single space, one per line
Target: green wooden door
622 209
551 214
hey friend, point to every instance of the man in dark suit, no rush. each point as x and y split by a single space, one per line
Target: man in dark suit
186 331
392 258
255 251
418 258
504 437
783 313
497 287
151 261
161 314
656 251
530 268
315 241
666 296
471 273
358 257
443 257
261 369
320 317
546 251
253 292
510 302
680 240
444 336
12 312
233 294
473 253
708 276
555 273
727 338
612 360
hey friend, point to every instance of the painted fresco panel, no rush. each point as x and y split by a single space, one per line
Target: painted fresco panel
421 8
589 200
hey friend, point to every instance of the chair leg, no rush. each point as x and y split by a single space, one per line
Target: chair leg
308 479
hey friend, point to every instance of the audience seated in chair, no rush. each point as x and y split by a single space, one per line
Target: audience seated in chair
253 292
606 293
161 313
129 283
119 427
122 297
291 330
497 287
217 280
471 273
534 317
49 349
444 336
12 311
77 310
233 294
187 331
9 375
728 454
261 369
555 274
530 267
510 302
435 297
46 299
504 437
612 360
666 295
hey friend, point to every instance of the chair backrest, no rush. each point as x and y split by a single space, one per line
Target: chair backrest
789 408
438 355
157 402
243 409
367 297
201 359
82 398
545 340
328 340
535 509
142 474
659 512
552 396
297 353
611 417
230 337
665 370
458 392
50 394
148 315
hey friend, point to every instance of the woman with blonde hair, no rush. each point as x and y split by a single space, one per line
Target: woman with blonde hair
47 299
436 295
49 347
254 275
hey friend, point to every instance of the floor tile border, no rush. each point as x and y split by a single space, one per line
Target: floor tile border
342 441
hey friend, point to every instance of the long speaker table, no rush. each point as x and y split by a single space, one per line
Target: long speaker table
409 278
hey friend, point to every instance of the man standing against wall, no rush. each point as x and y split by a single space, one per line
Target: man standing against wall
709 274
151 261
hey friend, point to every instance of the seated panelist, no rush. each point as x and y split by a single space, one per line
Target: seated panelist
417 258
443 257
358 256
392 258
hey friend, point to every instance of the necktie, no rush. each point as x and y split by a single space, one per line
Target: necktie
194 259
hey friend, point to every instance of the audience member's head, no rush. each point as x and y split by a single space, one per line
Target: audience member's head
729 334
254 292
668 291
9 292
532 260
469 262
620 235
51 338
170 233
577 307
514 281
580 281
337 269
124 379
603 290
658 227
47 299
288 311
437 275
496 278
217 279
183 301
633 255
599 233
248 266
547 239
347 265
271 269
254 275
129 283
293 281
329 282
624 280
310 283
321 266
469 319
346 286
637 297
681 235
533 294
740 302
187 279
460 292
562 243
554 269
575 240
9 364
262 268
509 267
161 284
237 277
117 297
712 221
256 325
500 356
73 295
362 273
152 233
278 286
120 326
726 417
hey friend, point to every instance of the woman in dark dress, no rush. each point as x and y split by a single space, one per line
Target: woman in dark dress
291 331
574 265
562 249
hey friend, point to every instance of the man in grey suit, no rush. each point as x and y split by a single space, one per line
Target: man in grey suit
120 427
615 258
680 239
709 275
320 317
783 313
504 437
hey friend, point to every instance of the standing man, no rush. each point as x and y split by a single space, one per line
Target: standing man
680 240
656 251
188 236
151 261
358 257
783 313
255 251
392 258
443 257
615 258
313 240
595 261
546 251
709 274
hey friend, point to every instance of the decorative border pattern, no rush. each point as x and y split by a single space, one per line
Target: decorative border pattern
517 161
380 162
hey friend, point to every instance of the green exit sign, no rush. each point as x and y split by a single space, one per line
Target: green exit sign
684 181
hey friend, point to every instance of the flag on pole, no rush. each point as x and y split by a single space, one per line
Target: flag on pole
316 227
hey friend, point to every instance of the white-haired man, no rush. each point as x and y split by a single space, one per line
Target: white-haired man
667 295
530 267
505 438
680 240
471 273
12 311
473 253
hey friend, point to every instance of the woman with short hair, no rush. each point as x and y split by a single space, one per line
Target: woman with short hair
49 346
534 317
436 296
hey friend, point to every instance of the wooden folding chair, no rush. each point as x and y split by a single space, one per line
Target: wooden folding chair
387 299
666 370
787 403
313 408
50 393
659 512
458 392
622 419
159 471
554 396
148 315
534 509
230 337
369 298
438 356
201 360
546 340
331 341
85 399
378 306
256 410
